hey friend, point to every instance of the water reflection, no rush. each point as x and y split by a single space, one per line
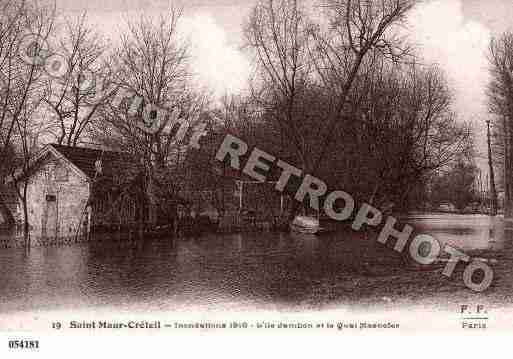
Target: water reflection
467 232
254 268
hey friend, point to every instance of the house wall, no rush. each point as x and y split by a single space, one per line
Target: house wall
70 191
8 206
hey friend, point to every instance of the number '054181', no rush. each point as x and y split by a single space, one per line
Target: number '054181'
24 344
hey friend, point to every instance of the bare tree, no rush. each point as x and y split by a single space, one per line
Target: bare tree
298 58
404 131
74 89
152 66
23 28
357 30
23 33
27 132
277 32
500 98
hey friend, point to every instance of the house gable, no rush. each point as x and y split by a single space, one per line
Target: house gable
49 151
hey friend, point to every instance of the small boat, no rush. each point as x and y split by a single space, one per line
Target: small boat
305 224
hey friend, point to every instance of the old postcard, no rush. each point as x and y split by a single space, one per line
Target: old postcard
289 167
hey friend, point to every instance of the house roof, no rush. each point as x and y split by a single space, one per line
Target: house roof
117 166
85 158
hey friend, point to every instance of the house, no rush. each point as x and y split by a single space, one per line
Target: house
72 191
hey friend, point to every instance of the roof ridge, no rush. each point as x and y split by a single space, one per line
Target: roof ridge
87 148
85 158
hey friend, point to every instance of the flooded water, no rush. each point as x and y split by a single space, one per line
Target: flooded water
256 270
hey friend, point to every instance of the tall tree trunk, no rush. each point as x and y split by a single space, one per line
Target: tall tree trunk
508 200
507 188
150 193
26 224
493 191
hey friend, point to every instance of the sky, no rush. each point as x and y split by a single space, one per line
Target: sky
452 33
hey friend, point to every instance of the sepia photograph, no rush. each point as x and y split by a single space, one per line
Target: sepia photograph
244 166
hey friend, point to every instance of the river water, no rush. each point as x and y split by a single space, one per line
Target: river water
255 270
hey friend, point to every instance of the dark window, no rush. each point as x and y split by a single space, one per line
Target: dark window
51 198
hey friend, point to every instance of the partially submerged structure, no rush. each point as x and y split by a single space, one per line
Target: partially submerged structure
73 191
